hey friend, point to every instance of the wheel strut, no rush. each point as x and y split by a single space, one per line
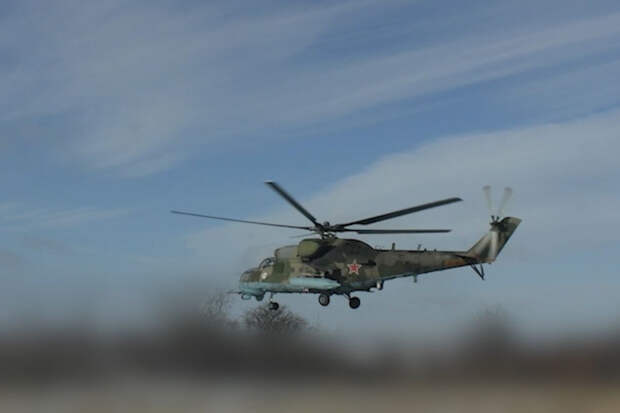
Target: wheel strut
354 302
272 304
324 299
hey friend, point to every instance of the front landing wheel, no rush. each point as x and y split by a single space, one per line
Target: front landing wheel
324 300
273 306
354 302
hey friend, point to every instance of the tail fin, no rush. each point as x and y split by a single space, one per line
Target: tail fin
492 243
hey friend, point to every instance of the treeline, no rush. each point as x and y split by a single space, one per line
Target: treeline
281 345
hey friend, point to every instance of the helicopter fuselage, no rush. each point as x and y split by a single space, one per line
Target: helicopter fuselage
350 266
342 266
329 265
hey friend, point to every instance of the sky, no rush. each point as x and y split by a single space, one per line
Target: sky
114 113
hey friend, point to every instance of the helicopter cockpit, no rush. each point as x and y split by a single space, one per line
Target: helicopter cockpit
267 262
250 274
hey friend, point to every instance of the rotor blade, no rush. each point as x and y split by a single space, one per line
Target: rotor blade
242 221
293 202
504 201
397 231
487 195
400 212
493 247
309 234
484 243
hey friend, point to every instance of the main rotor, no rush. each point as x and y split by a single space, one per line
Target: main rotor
328 230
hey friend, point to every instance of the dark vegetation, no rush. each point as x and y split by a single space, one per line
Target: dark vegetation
280 345
262 319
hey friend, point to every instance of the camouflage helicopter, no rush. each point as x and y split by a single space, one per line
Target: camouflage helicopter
329 265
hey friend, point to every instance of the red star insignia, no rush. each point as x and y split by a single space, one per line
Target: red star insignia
354 268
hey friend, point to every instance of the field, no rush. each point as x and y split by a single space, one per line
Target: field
152 395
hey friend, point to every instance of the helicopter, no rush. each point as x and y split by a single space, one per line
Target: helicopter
328 265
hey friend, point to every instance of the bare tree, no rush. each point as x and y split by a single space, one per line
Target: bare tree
281 321
215 309
492 333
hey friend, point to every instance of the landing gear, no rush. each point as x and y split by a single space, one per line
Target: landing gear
354 302
273 306
324 300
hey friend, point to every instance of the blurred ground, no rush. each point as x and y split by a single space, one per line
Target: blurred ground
161 395
204 361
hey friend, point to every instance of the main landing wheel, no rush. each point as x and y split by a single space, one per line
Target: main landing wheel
273 306
324 300
354 302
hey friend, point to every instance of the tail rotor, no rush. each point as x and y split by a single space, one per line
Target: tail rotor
504 201
487 195
497 214
491 241
493 245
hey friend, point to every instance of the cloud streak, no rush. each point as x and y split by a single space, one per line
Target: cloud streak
17 218
9 260
564 177
143 87
544 164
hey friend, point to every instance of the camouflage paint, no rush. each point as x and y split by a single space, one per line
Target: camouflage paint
341 266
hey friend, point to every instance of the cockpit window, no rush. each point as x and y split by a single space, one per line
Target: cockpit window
267 262
246 275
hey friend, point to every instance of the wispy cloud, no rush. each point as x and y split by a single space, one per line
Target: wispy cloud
142 86
16 217
48 245
137 78
571 93
544 164
564 177
9 261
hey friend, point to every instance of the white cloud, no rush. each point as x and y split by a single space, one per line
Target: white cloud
16 217
562 174
7 206
10 261
564 177
571 93
138 83
458 63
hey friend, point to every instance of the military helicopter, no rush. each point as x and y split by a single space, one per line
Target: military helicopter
329 265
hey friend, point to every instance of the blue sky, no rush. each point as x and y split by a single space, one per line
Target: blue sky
116 112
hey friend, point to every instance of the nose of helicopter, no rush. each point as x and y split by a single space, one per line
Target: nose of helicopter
247 275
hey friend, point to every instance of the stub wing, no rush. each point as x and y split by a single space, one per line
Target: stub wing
314 283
